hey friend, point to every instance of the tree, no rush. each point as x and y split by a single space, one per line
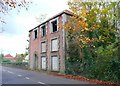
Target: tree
89 19
7 5
1 57
92 39
92 22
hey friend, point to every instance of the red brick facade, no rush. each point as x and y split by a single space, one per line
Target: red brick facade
36 54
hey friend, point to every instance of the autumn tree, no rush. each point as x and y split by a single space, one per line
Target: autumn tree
91 32
7 5
92 22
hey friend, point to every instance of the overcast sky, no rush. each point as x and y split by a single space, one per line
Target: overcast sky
13 39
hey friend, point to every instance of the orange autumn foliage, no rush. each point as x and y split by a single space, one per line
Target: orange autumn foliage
78 24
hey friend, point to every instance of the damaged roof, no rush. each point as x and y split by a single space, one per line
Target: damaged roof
65 11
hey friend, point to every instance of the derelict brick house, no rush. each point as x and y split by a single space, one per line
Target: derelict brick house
47 44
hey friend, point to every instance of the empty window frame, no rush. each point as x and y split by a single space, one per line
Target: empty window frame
54 44
54 25
43 30
43 47
35 34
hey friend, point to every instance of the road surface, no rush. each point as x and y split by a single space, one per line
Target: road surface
20 76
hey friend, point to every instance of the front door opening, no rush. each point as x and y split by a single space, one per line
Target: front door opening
36 62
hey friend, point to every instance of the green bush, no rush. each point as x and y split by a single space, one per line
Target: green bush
106 64
102 63
6 61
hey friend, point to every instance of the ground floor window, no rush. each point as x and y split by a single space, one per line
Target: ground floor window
43 62
55 63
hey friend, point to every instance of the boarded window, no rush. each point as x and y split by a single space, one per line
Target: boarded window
55 63
43 46
43 63
54 44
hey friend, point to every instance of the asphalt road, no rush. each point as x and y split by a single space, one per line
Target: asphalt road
20 76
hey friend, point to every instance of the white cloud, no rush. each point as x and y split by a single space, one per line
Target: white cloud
25 22
12 45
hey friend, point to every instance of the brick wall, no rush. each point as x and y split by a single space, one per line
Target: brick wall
35 46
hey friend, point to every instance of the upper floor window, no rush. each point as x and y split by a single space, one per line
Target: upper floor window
43 30
54 44
43 47
35 33
54 25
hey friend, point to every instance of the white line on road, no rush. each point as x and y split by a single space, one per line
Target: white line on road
27 77
41 83
19 75
10 72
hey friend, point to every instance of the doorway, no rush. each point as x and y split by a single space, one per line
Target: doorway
35 61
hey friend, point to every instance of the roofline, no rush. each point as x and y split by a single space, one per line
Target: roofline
7 55
65 11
